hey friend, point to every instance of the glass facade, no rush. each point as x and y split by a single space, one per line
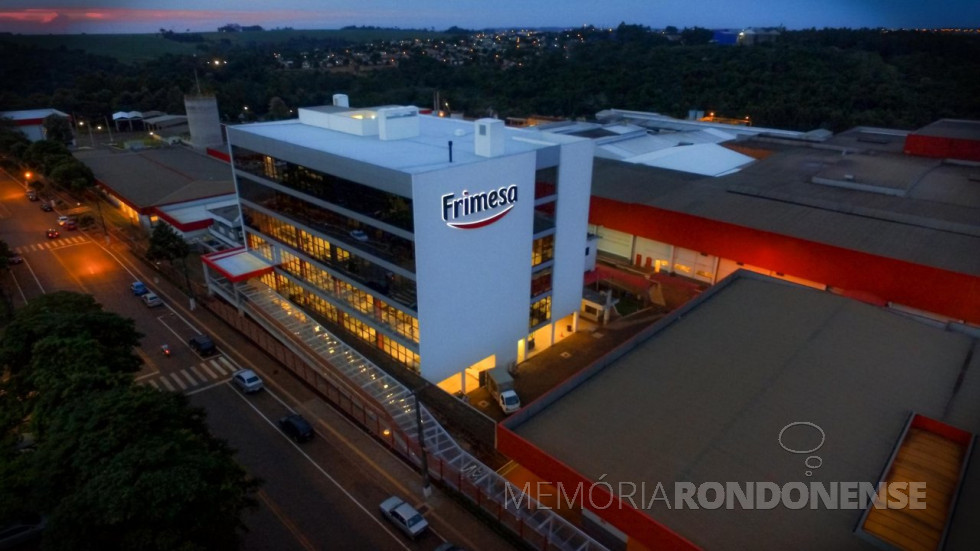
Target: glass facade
327 313
328 251
395 286
380 205
335 226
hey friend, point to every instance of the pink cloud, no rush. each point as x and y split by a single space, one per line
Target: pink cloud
71 20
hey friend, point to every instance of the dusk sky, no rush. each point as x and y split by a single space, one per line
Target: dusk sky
148 16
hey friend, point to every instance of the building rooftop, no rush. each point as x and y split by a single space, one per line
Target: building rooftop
30 114
155 177
920 210
424 152
704 396
952 128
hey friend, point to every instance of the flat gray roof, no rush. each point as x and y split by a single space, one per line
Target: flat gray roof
152 177
919 210
425 152
952 128
703 398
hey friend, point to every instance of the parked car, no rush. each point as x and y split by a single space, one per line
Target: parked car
203 345
296 427
32 195
151 299
71 224
53 233
404 516
15 259
46 207
62 219
248 381
138 288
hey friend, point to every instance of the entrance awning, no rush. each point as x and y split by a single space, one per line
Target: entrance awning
238 264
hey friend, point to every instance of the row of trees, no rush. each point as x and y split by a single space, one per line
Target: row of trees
49 156
832 78
114 465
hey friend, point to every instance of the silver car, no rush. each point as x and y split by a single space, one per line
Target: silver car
247 381
404 516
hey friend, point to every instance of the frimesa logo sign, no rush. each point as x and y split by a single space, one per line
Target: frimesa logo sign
470 211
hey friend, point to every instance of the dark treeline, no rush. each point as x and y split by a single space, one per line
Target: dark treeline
831 78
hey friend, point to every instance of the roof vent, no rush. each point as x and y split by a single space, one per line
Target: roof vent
489 138
849 177
341 100
396 123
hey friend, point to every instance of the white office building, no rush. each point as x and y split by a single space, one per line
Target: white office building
452 246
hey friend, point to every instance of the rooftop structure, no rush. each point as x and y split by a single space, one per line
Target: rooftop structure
707 395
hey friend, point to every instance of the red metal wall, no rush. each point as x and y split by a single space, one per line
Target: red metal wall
944 292
943 148
622 515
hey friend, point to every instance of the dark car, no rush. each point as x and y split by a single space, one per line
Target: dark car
203 345
296 427
53 233
46 207
71 224
15 259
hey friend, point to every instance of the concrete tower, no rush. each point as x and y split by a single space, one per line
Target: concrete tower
202 118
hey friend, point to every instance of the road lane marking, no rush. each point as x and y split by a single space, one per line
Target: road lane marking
167 384
154 384
286 521
217 367
371 515
178 381
198 373
231 367
208 370
187 375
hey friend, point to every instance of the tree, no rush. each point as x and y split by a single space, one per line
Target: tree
277 109
135 468
165 244
116 465
5 253
57 129
72 174
63 314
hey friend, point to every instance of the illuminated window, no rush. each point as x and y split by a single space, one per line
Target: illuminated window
540 312
542 250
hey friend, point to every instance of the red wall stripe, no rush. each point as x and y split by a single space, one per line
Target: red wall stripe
622 515
932 289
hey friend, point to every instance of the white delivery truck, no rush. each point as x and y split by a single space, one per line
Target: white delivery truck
501 387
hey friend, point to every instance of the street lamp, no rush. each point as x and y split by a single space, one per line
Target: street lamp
426 485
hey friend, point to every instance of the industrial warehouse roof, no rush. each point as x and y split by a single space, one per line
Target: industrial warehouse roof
952 128
704 395
30 114
852 192
161 176
422 153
